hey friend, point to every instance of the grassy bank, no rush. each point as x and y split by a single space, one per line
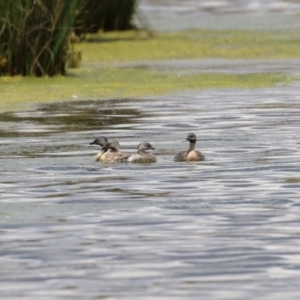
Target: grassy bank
104 79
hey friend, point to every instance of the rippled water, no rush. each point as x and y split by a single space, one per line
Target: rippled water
225 228
219 14
220 6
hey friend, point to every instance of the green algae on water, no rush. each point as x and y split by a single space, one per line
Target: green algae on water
120 82
192 44
101 76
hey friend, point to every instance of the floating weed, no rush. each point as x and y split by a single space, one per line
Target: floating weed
104 83
100 76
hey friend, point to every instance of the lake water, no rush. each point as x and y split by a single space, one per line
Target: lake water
222 6
225 228
219 14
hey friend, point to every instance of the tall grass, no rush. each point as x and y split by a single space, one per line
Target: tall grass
107 15
34 36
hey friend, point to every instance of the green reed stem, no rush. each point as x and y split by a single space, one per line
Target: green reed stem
34 36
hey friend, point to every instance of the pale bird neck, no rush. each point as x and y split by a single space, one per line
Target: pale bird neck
192 146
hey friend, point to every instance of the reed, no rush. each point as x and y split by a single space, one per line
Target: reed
34 36
106 15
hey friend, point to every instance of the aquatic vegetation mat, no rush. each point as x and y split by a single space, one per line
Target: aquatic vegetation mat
17 92
103 76
192 44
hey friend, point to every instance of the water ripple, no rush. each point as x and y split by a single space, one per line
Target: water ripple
228 226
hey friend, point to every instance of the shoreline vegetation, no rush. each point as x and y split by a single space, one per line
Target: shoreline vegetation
102 75
34 36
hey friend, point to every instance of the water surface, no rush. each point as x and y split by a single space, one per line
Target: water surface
225 228
219 14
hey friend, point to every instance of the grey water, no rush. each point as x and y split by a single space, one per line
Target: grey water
169 15
224 228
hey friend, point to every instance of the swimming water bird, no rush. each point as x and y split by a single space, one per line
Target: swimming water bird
108 145
102 140
191 154
141 156
111 152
